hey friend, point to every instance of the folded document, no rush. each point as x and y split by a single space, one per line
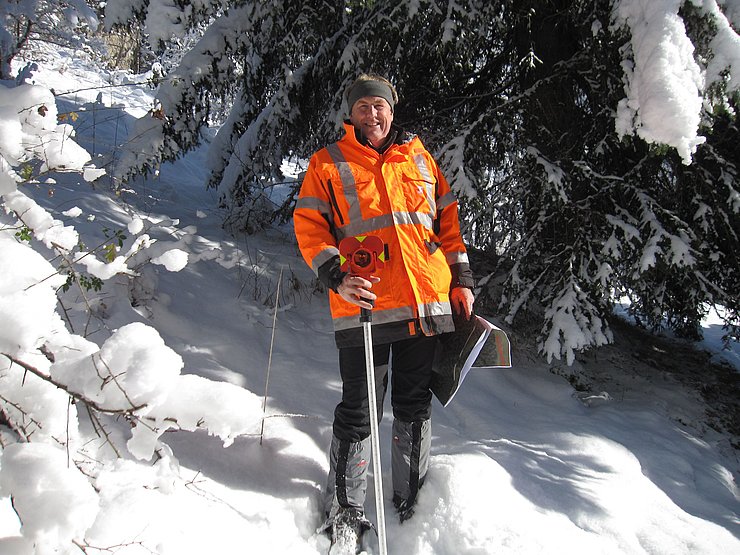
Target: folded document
475 343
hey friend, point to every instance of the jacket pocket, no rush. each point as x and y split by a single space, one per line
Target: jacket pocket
419 193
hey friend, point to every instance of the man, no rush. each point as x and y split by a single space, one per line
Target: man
378 180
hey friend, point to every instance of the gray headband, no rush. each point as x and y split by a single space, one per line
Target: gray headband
369 88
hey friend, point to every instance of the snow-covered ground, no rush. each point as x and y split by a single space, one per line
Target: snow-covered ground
521 463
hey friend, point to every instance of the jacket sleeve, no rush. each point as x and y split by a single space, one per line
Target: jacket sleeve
313 222
447 227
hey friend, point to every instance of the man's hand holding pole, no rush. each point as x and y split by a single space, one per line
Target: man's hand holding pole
356 290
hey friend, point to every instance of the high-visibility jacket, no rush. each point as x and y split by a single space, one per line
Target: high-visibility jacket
351 189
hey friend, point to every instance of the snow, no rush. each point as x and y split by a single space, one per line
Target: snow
176 349
568 320
174 260
21 302
725 44
713 332
55 501
663 84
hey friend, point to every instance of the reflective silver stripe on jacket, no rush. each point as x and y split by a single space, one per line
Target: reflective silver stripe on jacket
446 200
326 254
431 313
426 310
379 317
434 309
315 203
456 258
376 223
348 181
430 185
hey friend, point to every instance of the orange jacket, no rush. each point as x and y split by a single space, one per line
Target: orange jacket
402 197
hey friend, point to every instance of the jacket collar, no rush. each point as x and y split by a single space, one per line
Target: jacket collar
397 136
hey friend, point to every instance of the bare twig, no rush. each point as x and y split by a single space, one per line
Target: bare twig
99 428
113 378
269 358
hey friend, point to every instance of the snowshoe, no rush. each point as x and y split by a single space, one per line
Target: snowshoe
347 530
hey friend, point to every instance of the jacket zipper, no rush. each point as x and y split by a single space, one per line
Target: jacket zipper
334 203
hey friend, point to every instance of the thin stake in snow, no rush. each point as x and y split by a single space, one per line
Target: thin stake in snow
269 358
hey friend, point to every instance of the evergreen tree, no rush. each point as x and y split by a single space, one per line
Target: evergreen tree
592 143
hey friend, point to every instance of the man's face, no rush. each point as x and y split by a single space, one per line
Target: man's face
373 116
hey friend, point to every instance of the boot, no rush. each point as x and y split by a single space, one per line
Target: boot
409 460
404 510
347 529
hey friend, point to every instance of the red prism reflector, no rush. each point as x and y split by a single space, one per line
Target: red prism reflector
363 255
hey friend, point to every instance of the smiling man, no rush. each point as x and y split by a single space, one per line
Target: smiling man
379 180
372 103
